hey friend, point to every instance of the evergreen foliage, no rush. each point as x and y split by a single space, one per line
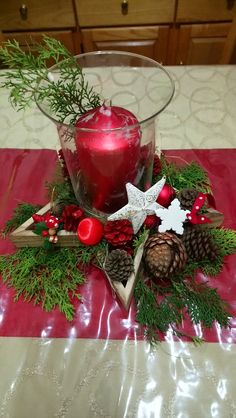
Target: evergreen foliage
189 176
50 278
21 214
66 95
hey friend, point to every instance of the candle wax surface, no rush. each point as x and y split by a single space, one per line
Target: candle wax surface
108 155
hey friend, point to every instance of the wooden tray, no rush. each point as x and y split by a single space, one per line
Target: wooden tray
24 236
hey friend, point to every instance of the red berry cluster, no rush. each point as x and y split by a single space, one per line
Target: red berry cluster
71 216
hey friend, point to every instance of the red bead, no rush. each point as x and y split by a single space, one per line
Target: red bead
166 196
90 231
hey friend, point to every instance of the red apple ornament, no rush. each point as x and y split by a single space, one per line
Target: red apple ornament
90 231
166 196
108 147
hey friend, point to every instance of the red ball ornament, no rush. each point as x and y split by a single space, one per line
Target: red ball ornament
90 231
151 221
166 196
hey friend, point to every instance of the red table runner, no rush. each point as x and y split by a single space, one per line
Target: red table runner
24 173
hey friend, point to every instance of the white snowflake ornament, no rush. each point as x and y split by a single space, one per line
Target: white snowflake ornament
172 218
140 204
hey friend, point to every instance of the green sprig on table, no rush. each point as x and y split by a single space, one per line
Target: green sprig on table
67 97
187 176
21 213
181 294
49 278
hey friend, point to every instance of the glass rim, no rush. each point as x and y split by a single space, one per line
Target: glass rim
110 52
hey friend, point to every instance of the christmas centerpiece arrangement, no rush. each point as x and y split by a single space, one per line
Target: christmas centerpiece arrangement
147 222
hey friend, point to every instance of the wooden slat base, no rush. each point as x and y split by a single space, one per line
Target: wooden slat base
25 237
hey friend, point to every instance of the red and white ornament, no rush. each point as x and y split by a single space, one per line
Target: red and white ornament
53 239
52 222
193 216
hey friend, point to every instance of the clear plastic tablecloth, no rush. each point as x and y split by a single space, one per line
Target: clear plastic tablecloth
98 365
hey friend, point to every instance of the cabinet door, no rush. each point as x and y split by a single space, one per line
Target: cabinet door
27 39
201 44
150 41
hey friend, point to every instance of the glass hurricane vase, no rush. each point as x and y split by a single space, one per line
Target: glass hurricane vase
114 143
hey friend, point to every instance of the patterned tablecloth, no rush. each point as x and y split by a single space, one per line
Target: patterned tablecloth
97 366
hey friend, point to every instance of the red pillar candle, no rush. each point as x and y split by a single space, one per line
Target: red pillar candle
108 147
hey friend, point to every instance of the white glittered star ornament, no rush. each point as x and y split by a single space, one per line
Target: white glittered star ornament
172 218
140 204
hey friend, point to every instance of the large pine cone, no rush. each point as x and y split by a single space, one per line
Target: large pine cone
164 255
187 198
119 265
198 243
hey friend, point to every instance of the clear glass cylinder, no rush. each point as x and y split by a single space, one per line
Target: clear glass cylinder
103 158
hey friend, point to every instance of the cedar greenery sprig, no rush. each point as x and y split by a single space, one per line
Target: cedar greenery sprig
65 96
225 240
202 304
49 278
140 239
189 176
63 192
22 213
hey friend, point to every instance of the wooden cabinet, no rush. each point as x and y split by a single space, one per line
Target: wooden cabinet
35 14
201 43
28 21
97 13
151 41
136 26
169 31
204 10
180 32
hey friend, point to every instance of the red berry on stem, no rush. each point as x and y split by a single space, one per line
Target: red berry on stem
90 231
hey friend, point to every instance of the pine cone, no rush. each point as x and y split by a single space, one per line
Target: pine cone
118 233
164 255
198 243
187 198
119 265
